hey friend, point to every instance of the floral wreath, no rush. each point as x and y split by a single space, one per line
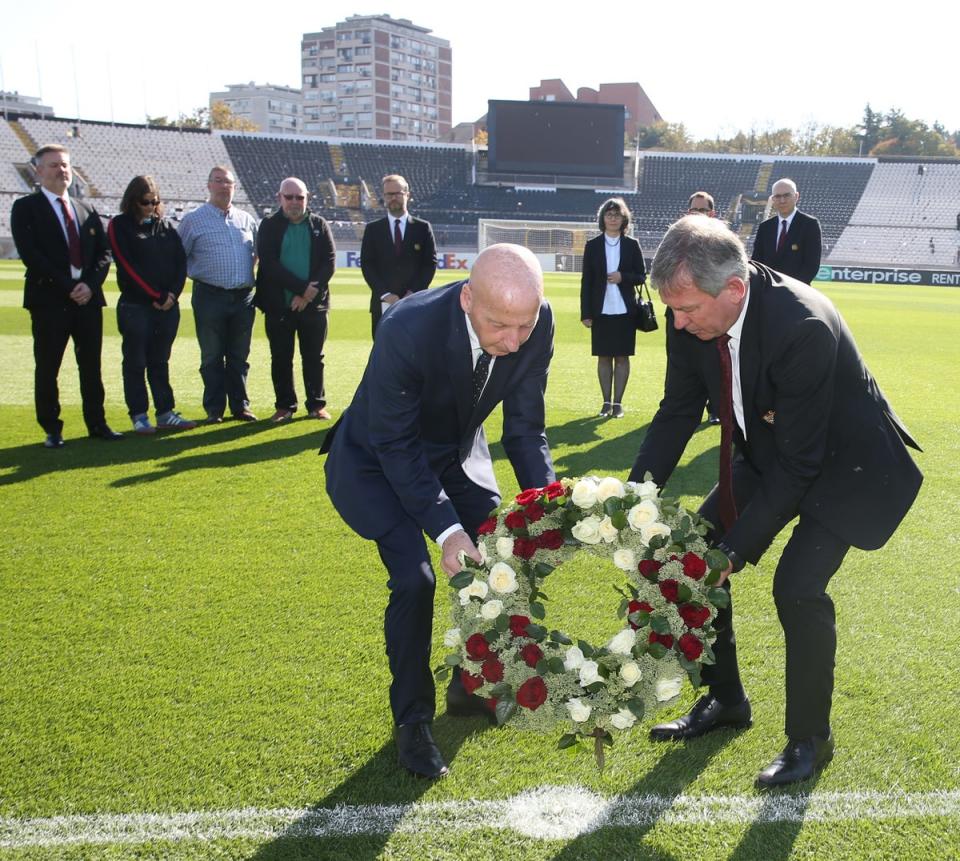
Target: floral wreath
534 678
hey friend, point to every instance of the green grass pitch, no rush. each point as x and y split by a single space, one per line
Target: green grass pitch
186 626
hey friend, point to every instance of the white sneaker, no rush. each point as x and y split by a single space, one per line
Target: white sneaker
172 420
142 426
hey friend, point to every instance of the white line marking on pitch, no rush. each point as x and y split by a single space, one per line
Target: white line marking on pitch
548 813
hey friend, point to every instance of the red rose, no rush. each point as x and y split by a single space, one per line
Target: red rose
554 489
669 590
693 566
524 548
491 703
649 567
470 681
518 625
478 649
487 527
691 646
534 511
532 693
515 520
665 639
693 616
525 497
552 539
492 670
636 606
532 654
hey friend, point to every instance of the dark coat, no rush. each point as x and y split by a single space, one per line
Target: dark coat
385 271
593 281
800 256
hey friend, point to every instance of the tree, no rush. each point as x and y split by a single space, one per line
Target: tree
217 116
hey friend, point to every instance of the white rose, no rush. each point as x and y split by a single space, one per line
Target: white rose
475 589
589 673
505 547
651 529
644 489
608 532
451 639
608 487
630 673
491 610
584 493
624 559
623 719
484 554
503 578
573 659
642 514
667 689
623 642
587 531
579 710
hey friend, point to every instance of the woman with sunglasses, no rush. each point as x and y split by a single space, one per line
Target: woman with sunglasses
151 272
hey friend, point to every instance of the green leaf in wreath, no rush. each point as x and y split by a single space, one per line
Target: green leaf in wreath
461 579
656 650
586 648
541 569
694 673
619 519
637 708
505 710
684 593
501 690
712 577
719 597
536 632
716 559
596 686
640 618
542 667
560 638
555 665
442 673
611 506
660 624
537 610
568 740
502 622
452 660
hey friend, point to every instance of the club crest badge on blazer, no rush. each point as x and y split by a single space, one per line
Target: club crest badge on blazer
794 247
416 246
769 416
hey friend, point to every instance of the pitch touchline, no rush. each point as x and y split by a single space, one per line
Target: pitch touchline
549 813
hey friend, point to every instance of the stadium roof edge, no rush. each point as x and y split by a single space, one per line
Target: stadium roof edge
758 157
328 139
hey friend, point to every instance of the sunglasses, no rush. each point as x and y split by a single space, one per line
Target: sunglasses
147 201
293 197
701 209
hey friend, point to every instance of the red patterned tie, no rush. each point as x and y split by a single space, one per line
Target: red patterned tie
783 236
73 237
397 237
727 504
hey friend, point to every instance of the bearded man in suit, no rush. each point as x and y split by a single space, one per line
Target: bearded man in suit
806 434
409 455
398 254
62 244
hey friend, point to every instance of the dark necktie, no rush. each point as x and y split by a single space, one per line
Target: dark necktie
727 504
397 237
480 372
73 237
783 236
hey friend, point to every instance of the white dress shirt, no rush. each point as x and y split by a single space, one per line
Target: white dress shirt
735 331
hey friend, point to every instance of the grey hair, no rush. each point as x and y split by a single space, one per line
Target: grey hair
700 249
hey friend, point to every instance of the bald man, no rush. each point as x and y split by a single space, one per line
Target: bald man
790 241
297 259
409 455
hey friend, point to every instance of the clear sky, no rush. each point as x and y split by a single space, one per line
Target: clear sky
716 67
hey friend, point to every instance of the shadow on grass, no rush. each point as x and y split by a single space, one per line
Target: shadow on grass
27 462
668 779
380 781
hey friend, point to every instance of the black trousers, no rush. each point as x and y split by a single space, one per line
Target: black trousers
408 623
52 328
310 328
809 560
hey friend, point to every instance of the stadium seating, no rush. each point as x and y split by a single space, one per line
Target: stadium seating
12 152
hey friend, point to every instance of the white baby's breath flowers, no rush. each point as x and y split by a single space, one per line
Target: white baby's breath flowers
451 638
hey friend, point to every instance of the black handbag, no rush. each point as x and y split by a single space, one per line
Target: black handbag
646 318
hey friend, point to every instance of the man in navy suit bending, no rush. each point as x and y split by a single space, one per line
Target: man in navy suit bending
409 455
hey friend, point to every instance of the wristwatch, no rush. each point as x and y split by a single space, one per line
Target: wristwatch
736 560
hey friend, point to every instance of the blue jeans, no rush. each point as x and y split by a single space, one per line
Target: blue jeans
148 336
224 321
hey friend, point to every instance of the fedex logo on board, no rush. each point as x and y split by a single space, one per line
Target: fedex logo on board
444 261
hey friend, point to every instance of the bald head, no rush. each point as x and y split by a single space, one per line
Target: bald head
785 196
292 198
503 296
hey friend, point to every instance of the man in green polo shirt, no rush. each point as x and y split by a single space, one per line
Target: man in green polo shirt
297 259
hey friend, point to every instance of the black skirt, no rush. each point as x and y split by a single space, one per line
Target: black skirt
613 335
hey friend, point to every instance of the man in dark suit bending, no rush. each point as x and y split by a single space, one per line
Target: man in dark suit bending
398 255
62 244
790 241
806 436
409 455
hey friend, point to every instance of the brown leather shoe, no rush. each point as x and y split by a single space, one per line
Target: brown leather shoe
281 416
320 413
245 416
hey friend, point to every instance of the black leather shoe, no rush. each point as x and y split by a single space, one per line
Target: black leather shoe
800 759
104 431
54 440
707 715
418 752
462 704
245 416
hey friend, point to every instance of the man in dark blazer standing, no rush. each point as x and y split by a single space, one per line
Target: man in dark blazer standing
398 255
409 454
62 244
812 437
790 241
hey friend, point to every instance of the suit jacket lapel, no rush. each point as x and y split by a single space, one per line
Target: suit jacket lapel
460 360
53 227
